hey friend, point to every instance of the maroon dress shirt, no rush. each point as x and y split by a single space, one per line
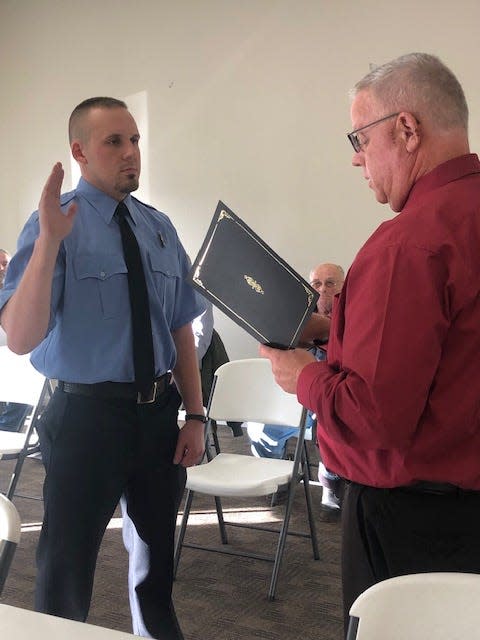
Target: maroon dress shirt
399 399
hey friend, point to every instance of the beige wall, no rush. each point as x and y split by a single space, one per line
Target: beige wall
246 102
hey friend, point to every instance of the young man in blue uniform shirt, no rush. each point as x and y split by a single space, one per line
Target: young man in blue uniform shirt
66 299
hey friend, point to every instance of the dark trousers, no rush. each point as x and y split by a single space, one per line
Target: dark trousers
392 532
95 450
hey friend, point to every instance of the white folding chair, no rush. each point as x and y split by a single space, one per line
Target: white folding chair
9 536
444 606
245 390
22 624
23 384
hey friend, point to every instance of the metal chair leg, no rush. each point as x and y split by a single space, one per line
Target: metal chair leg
221 521
281 542
181 533
311 520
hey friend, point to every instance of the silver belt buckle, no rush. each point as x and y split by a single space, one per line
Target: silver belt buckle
142 399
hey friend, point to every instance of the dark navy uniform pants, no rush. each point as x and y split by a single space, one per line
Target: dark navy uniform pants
96 450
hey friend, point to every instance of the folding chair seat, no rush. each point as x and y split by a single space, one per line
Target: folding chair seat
245 391
9 536
417 606
22 624
20 383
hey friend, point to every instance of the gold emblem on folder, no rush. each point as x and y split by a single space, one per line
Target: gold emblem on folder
254 284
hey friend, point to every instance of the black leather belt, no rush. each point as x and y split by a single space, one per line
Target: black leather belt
124 390
436 488
425 487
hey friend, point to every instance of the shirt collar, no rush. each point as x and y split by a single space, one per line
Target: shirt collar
103 203
443 174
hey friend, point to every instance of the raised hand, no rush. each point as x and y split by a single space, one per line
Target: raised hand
54 224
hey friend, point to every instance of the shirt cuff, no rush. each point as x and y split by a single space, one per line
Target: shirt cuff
308 376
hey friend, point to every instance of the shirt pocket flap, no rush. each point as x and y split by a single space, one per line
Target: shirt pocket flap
164 265
98 266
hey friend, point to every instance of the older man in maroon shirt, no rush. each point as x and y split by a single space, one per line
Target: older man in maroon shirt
398 398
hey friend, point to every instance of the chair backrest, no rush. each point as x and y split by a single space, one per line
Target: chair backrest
245 390
444 606
20 381
10 527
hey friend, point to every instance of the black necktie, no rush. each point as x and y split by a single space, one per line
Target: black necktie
143 357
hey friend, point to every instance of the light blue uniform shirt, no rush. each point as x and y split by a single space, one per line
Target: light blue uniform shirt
90 334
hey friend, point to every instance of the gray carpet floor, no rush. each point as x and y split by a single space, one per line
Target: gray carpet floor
217 597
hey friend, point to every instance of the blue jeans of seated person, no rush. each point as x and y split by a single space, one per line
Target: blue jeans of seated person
270 440
13 416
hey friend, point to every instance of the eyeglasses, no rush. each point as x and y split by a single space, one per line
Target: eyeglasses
353 137
329 284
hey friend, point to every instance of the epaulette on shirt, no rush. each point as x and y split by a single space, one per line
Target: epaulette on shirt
65 198
149 206
160 214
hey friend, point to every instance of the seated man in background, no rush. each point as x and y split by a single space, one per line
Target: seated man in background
12 414
270 441
4 260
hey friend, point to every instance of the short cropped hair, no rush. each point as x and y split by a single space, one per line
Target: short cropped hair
341 272
419 83
102 102
339 268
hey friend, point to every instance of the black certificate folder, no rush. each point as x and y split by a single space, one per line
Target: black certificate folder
250 283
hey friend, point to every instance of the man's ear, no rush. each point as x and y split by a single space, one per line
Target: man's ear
408 128
77 152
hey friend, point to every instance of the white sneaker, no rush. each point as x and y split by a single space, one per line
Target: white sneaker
329 499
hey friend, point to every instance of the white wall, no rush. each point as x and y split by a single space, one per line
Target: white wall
246 99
